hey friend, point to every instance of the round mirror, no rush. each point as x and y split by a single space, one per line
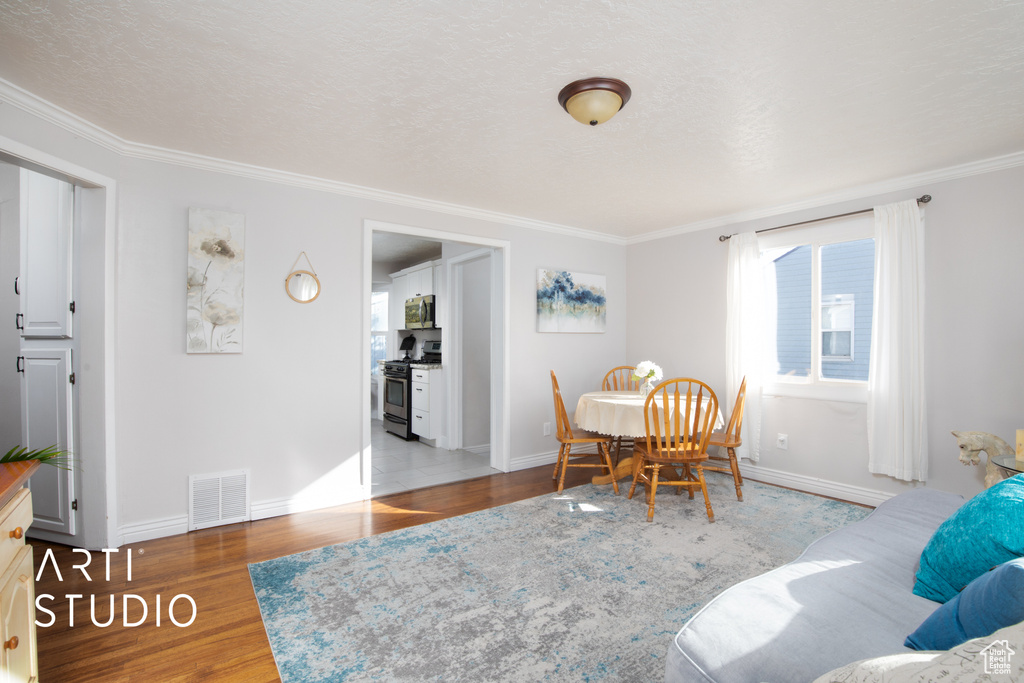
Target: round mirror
302 286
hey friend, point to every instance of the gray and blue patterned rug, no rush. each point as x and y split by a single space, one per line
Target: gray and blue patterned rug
575 586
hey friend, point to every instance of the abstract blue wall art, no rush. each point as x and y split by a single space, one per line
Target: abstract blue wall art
570 302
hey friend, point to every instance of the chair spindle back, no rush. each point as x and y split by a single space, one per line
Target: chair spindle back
620 379
679 415
736 419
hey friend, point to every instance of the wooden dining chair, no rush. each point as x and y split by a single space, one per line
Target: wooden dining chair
620 379
569 437
679 414
730 440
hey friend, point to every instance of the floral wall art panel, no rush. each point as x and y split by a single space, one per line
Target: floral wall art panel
570 302
216 269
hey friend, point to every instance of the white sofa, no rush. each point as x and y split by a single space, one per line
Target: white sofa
848 597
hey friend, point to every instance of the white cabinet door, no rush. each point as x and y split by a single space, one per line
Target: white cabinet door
46 420
421 396
396 301
421 282
44 285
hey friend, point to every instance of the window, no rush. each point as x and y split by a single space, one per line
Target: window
819 283
837 328
378 330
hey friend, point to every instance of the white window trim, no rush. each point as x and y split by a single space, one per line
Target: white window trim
845 229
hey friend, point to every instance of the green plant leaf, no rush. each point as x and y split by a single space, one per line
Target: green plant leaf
51 455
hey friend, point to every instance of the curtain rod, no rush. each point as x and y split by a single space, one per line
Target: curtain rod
923 199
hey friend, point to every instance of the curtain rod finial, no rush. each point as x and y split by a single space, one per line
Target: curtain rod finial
722 238
924 199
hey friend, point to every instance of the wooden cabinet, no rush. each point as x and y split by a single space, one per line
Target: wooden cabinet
19 654
428 403
19 661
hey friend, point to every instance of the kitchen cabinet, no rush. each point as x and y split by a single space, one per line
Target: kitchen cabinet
421 281
43 208
44 284
396 302
416 280
47 418
428 393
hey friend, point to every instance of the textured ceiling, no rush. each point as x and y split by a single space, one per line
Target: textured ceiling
737 105
398 251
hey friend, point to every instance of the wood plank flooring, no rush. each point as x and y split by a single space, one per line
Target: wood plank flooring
226 642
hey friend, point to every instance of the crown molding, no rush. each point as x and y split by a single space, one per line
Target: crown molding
849 194
76 125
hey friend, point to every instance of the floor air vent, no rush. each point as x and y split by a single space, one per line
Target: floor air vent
215 499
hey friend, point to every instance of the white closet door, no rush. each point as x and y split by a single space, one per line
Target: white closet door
44 285
46 420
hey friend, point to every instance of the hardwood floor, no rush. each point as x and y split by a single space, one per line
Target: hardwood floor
226 642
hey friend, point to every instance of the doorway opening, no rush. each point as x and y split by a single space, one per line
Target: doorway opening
486 262
94 504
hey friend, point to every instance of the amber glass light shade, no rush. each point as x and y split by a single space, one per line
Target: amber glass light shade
594 100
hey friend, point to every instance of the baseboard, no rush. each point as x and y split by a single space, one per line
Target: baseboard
823 487
275 507
147 531
535 460
479 450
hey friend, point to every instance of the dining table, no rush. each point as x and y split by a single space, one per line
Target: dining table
619 414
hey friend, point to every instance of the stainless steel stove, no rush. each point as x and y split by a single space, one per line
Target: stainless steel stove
398 388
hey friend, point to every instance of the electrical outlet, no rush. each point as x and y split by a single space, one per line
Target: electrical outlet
547 429
782 442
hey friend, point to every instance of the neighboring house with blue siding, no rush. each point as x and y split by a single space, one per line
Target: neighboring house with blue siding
847 291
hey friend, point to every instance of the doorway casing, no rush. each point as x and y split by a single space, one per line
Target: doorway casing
500 324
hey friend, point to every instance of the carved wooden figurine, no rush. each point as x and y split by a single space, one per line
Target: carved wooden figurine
972 443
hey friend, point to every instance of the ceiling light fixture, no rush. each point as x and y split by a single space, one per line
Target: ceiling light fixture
594 100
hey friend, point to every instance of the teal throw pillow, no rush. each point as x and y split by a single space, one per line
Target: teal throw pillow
985 532
992 601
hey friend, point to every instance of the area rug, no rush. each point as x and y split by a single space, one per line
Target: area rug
575 586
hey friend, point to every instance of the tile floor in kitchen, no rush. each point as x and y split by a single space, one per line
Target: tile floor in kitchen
400 465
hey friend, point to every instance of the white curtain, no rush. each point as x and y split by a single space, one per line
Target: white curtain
743 337
897 434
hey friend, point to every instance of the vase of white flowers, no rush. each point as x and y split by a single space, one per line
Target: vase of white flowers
650 373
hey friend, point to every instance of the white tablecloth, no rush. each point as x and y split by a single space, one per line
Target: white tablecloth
618 413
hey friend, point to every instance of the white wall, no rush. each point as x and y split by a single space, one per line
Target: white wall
476 352
975 372
289 408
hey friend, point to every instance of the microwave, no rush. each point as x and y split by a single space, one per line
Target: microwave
419 312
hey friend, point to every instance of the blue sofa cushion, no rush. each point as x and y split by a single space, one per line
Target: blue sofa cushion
985 532
992 601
